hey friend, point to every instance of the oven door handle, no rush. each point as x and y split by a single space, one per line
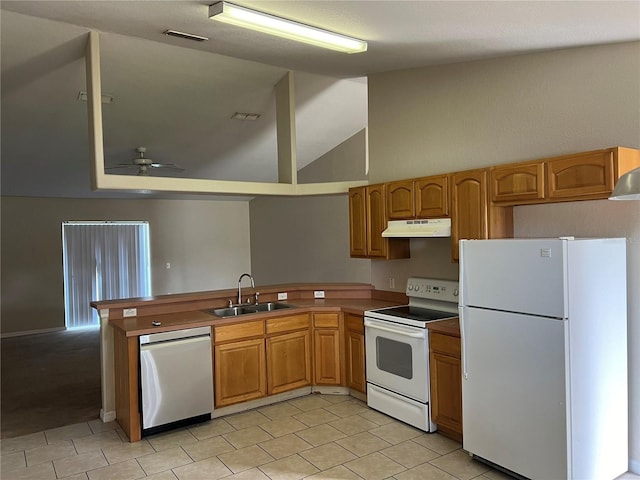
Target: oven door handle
376 326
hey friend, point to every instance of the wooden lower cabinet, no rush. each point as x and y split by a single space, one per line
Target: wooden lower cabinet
355 376
446 384
288 361
240 372
239 363
326 349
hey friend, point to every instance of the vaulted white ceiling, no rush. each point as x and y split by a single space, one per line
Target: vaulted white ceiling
175 96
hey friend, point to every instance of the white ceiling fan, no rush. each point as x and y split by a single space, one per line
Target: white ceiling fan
144 164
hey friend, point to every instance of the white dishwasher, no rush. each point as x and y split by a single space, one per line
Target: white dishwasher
176 379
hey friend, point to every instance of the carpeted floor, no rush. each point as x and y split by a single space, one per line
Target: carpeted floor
49 380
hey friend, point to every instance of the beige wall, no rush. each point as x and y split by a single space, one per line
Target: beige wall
447 118
332 166
468 115
206 242
303 240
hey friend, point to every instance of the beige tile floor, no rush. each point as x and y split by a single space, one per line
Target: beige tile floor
317 437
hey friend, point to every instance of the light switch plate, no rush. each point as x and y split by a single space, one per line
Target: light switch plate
129 312
318 294
282 295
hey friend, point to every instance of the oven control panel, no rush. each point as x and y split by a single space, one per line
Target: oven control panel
431 288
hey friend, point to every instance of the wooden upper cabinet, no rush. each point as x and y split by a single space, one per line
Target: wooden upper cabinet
400 200
432 196
367 221
418 198
470 207
520 183
377 220
358 222
583 175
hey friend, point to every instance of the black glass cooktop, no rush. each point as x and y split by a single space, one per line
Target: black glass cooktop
416 313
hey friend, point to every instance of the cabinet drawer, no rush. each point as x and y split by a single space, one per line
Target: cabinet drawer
287 324
355 323
239 331
325 320
445 344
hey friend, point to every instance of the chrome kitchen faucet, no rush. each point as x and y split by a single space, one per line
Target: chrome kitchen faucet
253 285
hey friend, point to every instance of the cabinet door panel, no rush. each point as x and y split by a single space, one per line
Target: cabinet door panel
357 222
289 361
446 392
377 246
583 175
355 361
432 196
400 200
327 356
517 183
239 372
469 218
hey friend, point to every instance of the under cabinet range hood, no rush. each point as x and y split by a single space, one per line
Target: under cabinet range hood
418 228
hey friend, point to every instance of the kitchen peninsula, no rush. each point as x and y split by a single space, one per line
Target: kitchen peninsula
317 344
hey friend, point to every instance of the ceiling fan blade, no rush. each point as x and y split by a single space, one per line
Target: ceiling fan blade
122 165
167 165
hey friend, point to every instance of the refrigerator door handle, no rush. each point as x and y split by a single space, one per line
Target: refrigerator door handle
463 342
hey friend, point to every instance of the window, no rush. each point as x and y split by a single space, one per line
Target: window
103 261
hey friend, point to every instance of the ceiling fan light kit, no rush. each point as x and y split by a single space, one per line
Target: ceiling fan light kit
143 164
262 22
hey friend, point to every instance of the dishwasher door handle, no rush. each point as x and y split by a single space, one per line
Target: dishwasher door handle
173 343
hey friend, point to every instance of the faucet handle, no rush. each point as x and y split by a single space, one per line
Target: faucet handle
230 303
256 295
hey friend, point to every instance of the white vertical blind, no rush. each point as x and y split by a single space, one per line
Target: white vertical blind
103 261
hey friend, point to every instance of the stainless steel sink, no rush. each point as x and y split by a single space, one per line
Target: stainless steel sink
268 307
247 309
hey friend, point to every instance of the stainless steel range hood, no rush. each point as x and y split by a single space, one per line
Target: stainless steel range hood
419 228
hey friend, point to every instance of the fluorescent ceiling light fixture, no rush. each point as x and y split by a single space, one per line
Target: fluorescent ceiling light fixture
628 186
281 27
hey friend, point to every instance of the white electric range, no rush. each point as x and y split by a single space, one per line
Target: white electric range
397 350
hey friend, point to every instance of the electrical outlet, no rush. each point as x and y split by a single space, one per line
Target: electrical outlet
282 295
318 294
392 282
129 312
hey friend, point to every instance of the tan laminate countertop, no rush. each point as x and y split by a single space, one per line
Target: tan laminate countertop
135 326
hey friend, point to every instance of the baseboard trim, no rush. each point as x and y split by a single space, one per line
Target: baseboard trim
32 332
260 402
330 390
107 416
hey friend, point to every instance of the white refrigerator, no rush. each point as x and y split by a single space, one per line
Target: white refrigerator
544 356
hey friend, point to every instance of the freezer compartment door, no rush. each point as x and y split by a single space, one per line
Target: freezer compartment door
513 394
176 380
516 275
